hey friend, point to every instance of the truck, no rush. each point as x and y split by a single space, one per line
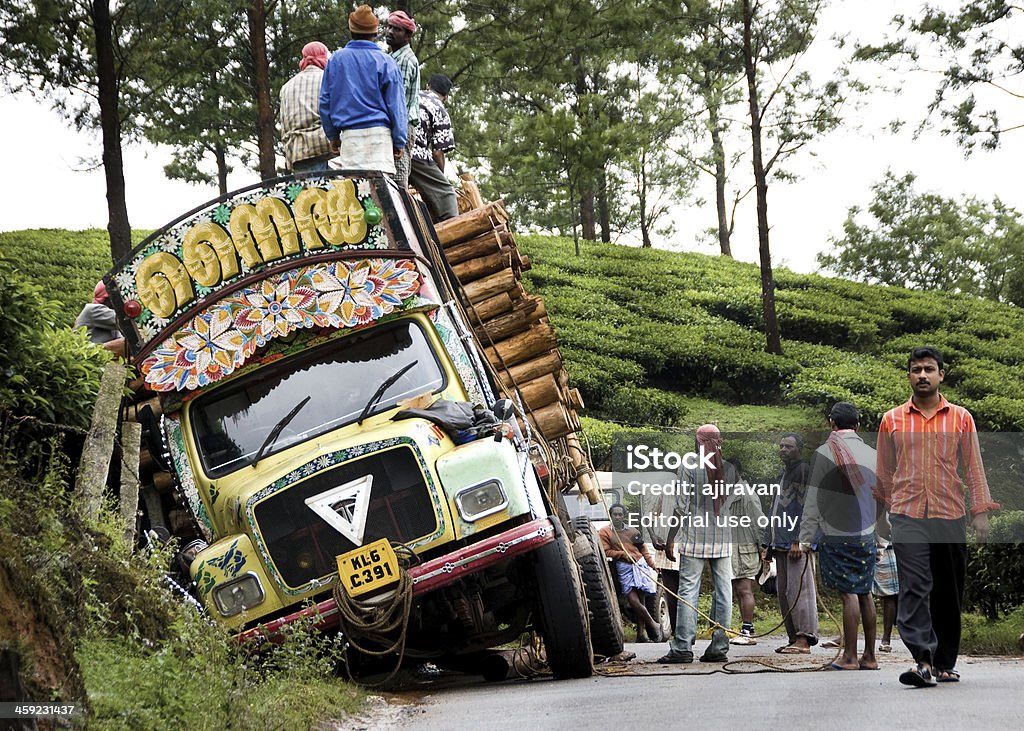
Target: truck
329 439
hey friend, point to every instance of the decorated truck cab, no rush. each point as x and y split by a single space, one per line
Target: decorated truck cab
309 347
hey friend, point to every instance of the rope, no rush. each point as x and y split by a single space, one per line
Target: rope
363 621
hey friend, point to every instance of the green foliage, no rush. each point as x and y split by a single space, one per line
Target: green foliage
66 264
995 570
204 680
975 48
933 243
50 374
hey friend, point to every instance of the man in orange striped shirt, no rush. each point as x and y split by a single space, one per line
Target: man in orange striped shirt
920 445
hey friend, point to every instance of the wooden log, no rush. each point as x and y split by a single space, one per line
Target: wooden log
490 286
584 472
132 410
563 378
535 368
523 347
575 399
131 440
540 391
508 324
490 308
551 420
474 269
163 481
471 190
482 245
147 463
467 225
541 311
524 262
99 443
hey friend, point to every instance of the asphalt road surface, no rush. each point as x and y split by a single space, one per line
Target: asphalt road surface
757 689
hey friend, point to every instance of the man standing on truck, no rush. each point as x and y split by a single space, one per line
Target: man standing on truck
434 139
634 566
305 145
362 101
400 31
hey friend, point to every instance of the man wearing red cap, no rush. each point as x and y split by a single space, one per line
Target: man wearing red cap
305 145
400 31
362 101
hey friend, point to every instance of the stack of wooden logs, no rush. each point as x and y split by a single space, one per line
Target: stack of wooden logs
513 325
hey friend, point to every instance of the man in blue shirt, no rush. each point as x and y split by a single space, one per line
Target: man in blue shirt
362 101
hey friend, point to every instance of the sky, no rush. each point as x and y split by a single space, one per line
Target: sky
51 190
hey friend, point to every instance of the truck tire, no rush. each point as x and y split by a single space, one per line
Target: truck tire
606 632
562 610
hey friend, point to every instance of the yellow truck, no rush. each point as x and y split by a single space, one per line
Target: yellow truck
336 439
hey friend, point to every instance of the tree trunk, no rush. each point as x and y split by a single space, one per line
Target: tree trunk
645 223
604 209
221 153
256 13
718 150
773 342
587 222
118 227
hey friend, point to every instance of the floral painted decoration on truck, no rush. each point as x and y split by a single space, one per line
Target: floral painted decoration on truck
233 242
340 294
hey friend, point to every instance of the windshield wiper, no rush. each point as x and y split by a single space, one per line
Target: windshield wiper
278 428
382 388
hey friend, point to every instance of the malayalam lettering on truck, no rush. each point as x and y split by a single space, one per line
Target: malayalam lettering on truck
336 438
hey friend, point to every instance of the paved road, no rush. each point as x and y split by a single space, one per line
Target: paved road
990 696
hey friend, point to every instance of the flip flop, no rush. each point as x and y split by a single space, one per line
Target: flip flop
948 676
837 666
790 650
865 667
918 677
885 648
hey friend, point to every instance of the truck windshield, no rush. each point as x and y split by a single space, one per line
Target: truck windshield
232 423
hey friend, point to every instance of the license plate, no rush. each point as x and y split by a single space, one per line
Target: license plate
368 568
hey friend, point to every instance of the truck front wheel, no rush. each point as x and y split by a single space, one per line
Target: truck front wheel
562 610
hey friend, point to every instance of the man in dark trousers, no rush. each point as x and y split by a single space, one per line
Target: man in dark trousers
434 140
920 445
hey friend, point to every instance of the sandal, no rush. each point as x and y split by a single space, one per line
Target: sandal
919 677
885 647
948 676
793 650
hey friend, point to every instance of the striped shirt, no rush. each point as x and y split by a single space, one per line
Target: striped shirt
301 133
700 535
409 66
917 463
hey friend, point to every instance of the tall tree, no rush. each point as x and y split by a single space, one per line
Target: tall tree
978 54
79 56
787 111
926 241
256 17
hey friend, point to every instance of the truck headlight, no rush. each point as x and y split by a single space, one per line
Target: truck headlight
480 500
238 595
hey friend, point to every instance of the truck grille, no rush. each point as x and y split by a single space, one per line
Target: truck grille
303 546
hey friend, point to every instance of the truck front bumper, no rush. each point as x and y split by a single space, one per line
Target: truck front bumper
430 575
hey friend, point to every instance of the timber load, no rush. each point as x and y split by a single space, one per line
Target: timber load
513 329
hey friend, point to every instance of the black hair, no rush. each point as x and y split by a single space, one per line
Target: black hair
844 415
925 352
440 83
796 438
616 505
363 36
